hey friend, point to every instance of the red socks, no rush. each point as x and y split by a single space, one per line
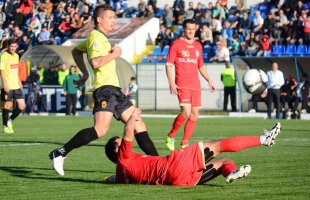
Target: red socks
188 131
176 125
239 143
227 168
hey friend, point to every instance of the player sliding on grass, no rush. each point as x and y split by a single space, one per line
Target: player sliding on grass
185 167
109 100
186 55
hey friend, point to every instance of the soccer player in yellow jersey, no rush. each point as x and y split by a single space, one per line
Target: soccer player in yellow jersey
108 97
12 87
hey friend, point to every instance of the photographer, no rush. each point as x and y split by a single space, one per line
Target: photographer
34 91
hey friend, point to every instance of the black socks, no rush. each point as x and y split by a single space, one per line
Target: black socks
146 144
15 113
83 137
5 117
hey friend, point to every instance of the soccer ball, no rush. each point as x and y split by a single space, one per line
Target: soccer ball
255 81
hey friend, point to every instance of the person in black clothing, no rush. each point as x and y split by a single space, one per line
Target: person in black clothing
286 95
178 10
51 76
18 18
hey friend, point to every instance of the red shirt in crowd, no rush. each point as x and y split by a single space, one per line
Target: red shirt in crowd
265 44
66 26
306 23
25 7
187 59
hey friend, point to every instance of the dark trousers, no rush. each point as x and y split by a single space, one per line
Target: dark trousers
257 98
273 94
230 91
71 102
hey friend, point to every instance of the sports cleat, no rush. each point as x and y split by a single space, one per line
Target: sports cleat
183 146
58 162
10 126
170 143
7 130
241 173
272 134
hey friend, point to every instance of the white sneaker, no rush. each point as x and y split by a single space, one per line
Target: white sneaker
272 134
242 172
58 163
252 111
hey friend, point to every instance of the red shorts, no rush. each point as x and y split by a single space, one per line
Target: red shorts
185 166
189 97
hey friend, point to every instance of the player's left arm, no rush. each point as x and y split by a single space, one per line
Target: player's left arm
206 76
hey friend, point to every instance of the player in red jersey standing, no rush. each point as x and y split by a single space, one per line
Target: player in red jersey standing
186 55
184 167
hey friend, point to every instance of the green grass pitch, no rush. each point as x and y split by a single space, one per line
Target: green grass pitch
280 172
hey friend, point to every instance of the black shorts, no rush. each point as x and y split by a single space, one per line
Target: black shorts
110 98
13 94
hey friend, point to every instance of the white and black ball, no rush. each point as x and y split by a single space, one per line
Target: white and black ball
255 81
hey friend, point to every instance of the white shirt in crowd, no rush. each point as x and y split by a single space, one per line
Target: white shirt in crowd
258 21
223 53
275 79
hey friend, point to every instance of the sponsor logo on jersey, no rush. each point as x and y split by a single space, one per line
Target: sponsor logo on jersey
188 60
14 66
96 45
103 104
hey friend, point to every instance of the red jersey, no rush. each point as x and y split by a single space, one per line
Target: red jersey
182 167
187 59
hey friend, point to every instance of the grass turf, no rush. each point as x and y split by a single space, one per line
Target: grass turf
280 172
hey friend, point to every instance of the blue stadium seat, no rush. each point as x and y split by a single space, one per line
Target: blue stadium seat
145 60
165 50
159 13
307 51
154 59
205 58
207 49
301 50
178 31
156 51
164 59
277 50
290 50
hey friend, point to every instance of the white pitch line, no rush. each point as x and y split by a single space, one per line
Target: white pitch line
22 144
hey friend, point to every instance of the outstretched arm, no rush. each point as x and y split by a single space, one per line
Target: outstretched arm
78 58
206 76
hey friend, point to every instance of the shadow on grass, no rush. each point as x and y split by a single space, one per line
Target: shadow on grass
33 173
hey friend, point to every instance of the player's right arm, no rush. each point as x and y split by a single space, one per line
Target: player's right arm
3 77
172 86
77 54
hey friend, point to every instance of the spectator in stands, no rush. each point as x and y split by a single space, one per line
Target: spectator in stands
264 49
153 3
206 37
2 16
35 26
258 22
298 10
167 16
219 12
49 23
36 5
59 15
221 54
168 38
244 25
25 8
190 12
228 78
241 5
149 11
306 20
47 6
269 24
282 18
216 27
285 96
8 8
227 32
62 73
160 35
206 18
278 35
23 45
141 8
51 76
86 16
80 7
242 49
178 11
44 36
65 28
199 12
76 23
17 33
1 31
31 35
234 46
275 82
70 91
18 17
258 98
53 41
210 7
